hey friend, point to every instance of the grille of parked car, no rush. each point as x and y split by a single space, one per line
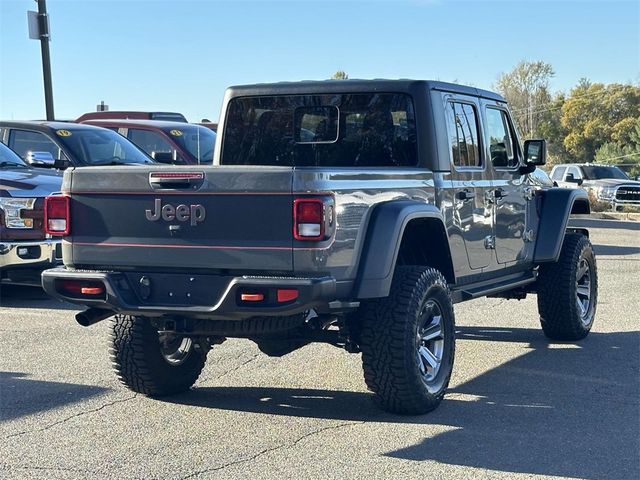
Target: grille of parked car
628 193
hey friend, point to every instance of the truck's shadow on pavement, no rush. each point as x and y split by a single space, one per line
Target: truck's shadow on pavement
15 296
559 409
20 395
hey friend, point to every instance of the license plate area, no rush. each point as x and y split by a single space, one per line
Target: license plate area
177 289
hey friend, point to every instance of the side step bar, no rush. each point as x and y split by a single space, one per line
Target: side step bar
491 287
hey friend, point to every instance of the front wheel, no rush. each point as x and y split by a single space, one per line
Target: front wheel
568 291
151 363
408 341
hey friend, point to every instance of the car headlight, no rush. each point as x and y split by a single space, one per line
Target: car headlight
606 193
12 209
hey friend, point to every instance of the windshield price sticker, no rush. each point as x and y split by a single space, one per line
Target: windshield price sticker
176 133
63 133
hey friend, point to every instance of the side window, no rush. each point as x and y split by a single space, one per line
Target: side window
558 173
23 141
462 128
501 144
149 141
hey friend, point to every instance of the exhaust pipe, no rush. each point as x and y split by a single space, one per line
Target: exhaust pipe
93 315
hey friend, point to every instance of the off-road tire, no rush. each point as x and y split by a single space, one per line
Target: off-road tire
560 315
389 338
138 361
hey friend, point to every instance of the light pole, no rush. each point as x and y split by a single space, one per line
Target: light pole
39 30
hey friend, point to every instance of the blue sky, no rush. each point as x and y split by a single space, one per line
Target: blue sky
180 55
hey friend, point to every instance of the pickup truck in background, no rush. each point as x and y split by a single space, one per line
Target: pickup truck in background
352 212
25 249
608 183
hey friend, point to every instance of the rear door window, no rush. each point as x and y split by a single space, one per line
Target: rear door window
341 130
462 129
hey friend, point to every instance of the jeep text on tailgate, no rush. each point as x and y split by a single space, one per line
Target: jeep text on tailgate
354 213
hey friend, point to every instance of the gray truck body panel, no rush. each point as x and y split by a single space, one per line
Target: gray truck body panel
387 226
557 205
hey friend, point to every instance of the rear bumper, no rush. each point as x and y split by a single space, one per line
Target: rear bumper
191 296
21 262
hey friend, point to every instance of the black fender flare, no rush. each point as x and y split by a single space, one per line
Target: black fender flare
382 244
557 206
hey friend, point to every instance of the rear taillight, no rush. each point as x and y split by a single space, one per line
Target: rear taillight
308 219
56 215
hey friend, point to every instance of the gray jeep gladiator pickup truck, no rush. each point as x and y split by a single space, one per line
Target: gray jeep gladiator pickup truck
355 213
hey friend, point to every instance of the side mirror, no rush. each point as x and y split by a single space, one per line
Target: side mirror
571 179
164 157
535 152
61 164
40 159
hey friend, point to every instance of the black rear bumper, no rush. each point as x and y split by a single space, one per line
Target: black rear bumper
192 296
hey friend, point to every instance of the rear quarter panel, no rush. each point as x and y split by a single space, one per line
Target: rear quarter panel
356 193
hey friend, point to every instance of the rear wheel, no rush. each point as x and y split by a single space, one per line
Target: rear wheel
151 363
568 291
408 341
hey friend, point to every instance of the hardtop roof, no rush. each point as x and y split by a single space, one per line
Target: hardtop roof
321 87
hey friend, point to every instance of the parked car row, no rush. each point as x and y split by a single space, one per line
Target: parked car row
33 154
65 144
90 141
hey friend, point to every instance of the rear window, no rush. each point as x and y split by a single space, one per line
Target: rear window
344 130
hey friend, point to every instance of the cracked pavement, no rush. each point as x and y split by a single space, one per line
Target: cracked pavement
518 406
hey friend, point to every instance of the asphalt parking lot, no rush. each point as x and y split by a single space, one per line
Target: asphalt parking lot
518 406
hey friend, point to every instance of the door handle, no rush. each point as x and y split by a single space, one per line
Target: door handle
175 180
465 195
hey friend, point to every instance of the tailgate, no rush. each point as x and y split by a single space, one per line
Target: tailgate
237 218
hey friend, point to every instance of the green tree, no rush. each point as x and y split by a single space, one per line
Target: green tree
626 155
340 75
526 88
550 128
595 114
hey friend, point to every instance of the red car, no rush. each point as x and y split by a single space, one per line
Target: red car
122 114
167 142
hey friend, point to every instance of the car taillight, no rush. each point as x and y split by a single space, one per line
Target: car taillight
56 215
308 219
